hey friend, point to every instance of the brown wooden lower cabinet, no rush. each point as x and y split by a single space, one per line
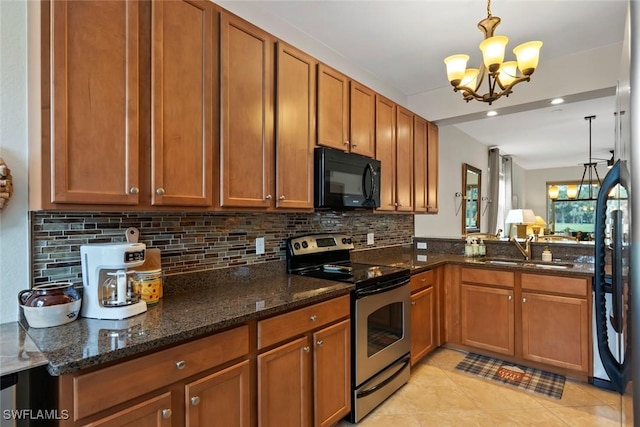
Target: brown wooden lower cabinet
528 317
306 380
422 324
154 412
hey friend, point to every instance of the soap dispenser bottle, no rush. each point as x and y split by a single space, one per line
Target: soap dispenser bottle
546 255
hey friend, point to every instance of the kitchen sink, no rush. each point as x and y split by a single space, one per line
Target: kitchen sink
508 262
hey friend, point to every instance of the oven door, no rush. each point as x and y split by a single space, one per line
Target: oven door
381 328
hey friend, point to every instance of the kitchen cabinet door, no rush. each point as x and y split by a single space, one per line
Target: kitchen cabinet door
333 108
94 103
487 318
420 192
154 412
432 168
246 146
295 127
362 119
386 151
332 374
284 385
182 75
423 324
222 396
404 160
556 330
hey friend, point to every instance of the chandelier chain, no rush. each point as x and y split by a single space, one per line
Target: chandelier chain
489 8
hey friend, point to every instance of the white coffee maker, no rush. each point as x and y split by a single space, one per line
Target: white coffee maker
108 291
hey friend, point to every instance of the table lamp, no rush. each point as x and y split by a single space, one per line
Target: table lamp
520 218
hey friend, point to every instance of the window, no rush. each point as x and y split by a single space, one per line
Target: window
570 216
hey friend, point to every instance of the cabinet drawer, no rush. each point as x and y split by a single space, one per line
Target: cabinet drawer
422 280
576 286
288 325
488 277
102 389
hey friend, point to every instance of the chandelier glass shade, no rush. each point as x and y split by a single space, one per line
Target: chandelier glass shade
501 76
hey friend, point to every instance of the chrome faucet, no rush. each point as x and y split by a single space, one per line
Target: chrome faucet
526 251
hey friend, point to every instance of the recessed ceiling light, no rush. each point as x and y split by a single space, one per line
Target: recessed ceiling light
557 101
492 113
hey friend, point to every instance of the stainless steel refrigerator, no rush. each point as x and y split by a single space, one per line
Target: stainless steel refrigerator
617 251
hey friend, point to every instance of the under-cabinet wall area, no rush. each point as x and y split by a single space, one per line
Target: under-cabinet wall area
197 241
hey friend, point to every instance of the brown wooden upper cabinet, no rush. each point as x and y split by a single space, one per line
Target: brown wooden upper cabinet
333 108
246 145
425 161
113 68
92 116
394 149
295 127
362 108
182 76
346 113
432 168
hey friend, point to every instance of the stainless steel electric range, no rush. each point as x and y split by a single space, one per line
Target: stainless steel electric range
380 315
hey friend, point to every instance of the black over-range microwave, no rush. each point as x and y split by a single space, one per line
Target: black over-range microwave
345 180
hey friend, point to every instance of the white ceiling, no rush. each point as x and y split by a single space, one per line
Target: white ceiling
403 43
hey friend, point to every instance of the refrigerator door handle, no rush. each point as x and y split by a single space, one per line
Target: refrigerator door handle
616 273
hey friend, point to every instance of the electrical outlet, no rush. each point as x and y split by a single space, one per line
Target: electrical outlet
370 240
259 245
422 245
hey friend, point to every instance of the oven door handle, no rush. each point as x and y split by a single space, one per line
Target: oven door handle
377 387
361 293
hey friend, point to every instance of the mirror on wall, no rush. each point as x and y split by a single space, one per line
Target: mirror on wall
471 192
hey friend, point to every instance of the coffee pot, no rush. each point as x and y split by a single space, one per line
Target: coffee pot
109 291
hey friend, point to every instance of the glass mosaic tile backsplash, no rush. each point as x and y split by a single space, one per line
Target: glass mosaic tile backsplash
197 241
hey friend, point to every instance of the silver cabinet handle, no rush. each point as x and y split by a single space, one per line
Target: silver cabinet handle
510 297
181 364
313 318
134 190
346 143
267 197
160 191
281 198
423 280
395 204
166 413
413 303
306 349
195 400
319 343
524 300
354 145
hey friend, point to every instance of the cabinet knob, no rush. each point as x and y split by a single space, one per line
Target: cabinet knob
423 280
195 400
413 303
346 143
395 204
524 300
354 145
313 318
509 297
281 198
306 349
160 191
319 343
166 413
181 364
267 197
134 190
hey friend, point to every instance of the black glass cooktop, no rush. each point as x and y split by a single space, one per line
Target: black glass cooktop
357 273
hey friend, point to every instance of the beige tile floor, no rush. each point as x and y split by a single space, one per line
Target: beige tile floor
438 395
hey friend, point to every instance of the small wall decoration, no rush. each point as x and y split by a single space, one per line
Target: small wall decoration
6 184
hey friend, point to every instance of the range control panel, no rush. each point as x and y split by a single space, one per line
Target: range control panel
317 243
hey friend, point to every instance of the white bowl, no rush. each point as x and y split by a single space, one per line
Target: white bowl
52 315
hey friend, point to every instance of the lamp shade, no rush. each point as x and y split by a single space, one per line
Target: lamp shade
528 55
456 66
572 191
554 192
493 52
508 73
521 216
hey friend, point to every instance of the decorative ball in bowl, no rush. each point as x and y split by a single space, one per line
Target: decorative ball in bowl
52 304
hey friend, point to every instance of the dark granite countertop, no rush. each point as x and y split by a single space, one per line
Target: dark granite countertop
417 260
194 305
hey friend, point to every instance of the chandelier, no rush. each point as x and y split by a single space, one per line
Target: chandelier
501 76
